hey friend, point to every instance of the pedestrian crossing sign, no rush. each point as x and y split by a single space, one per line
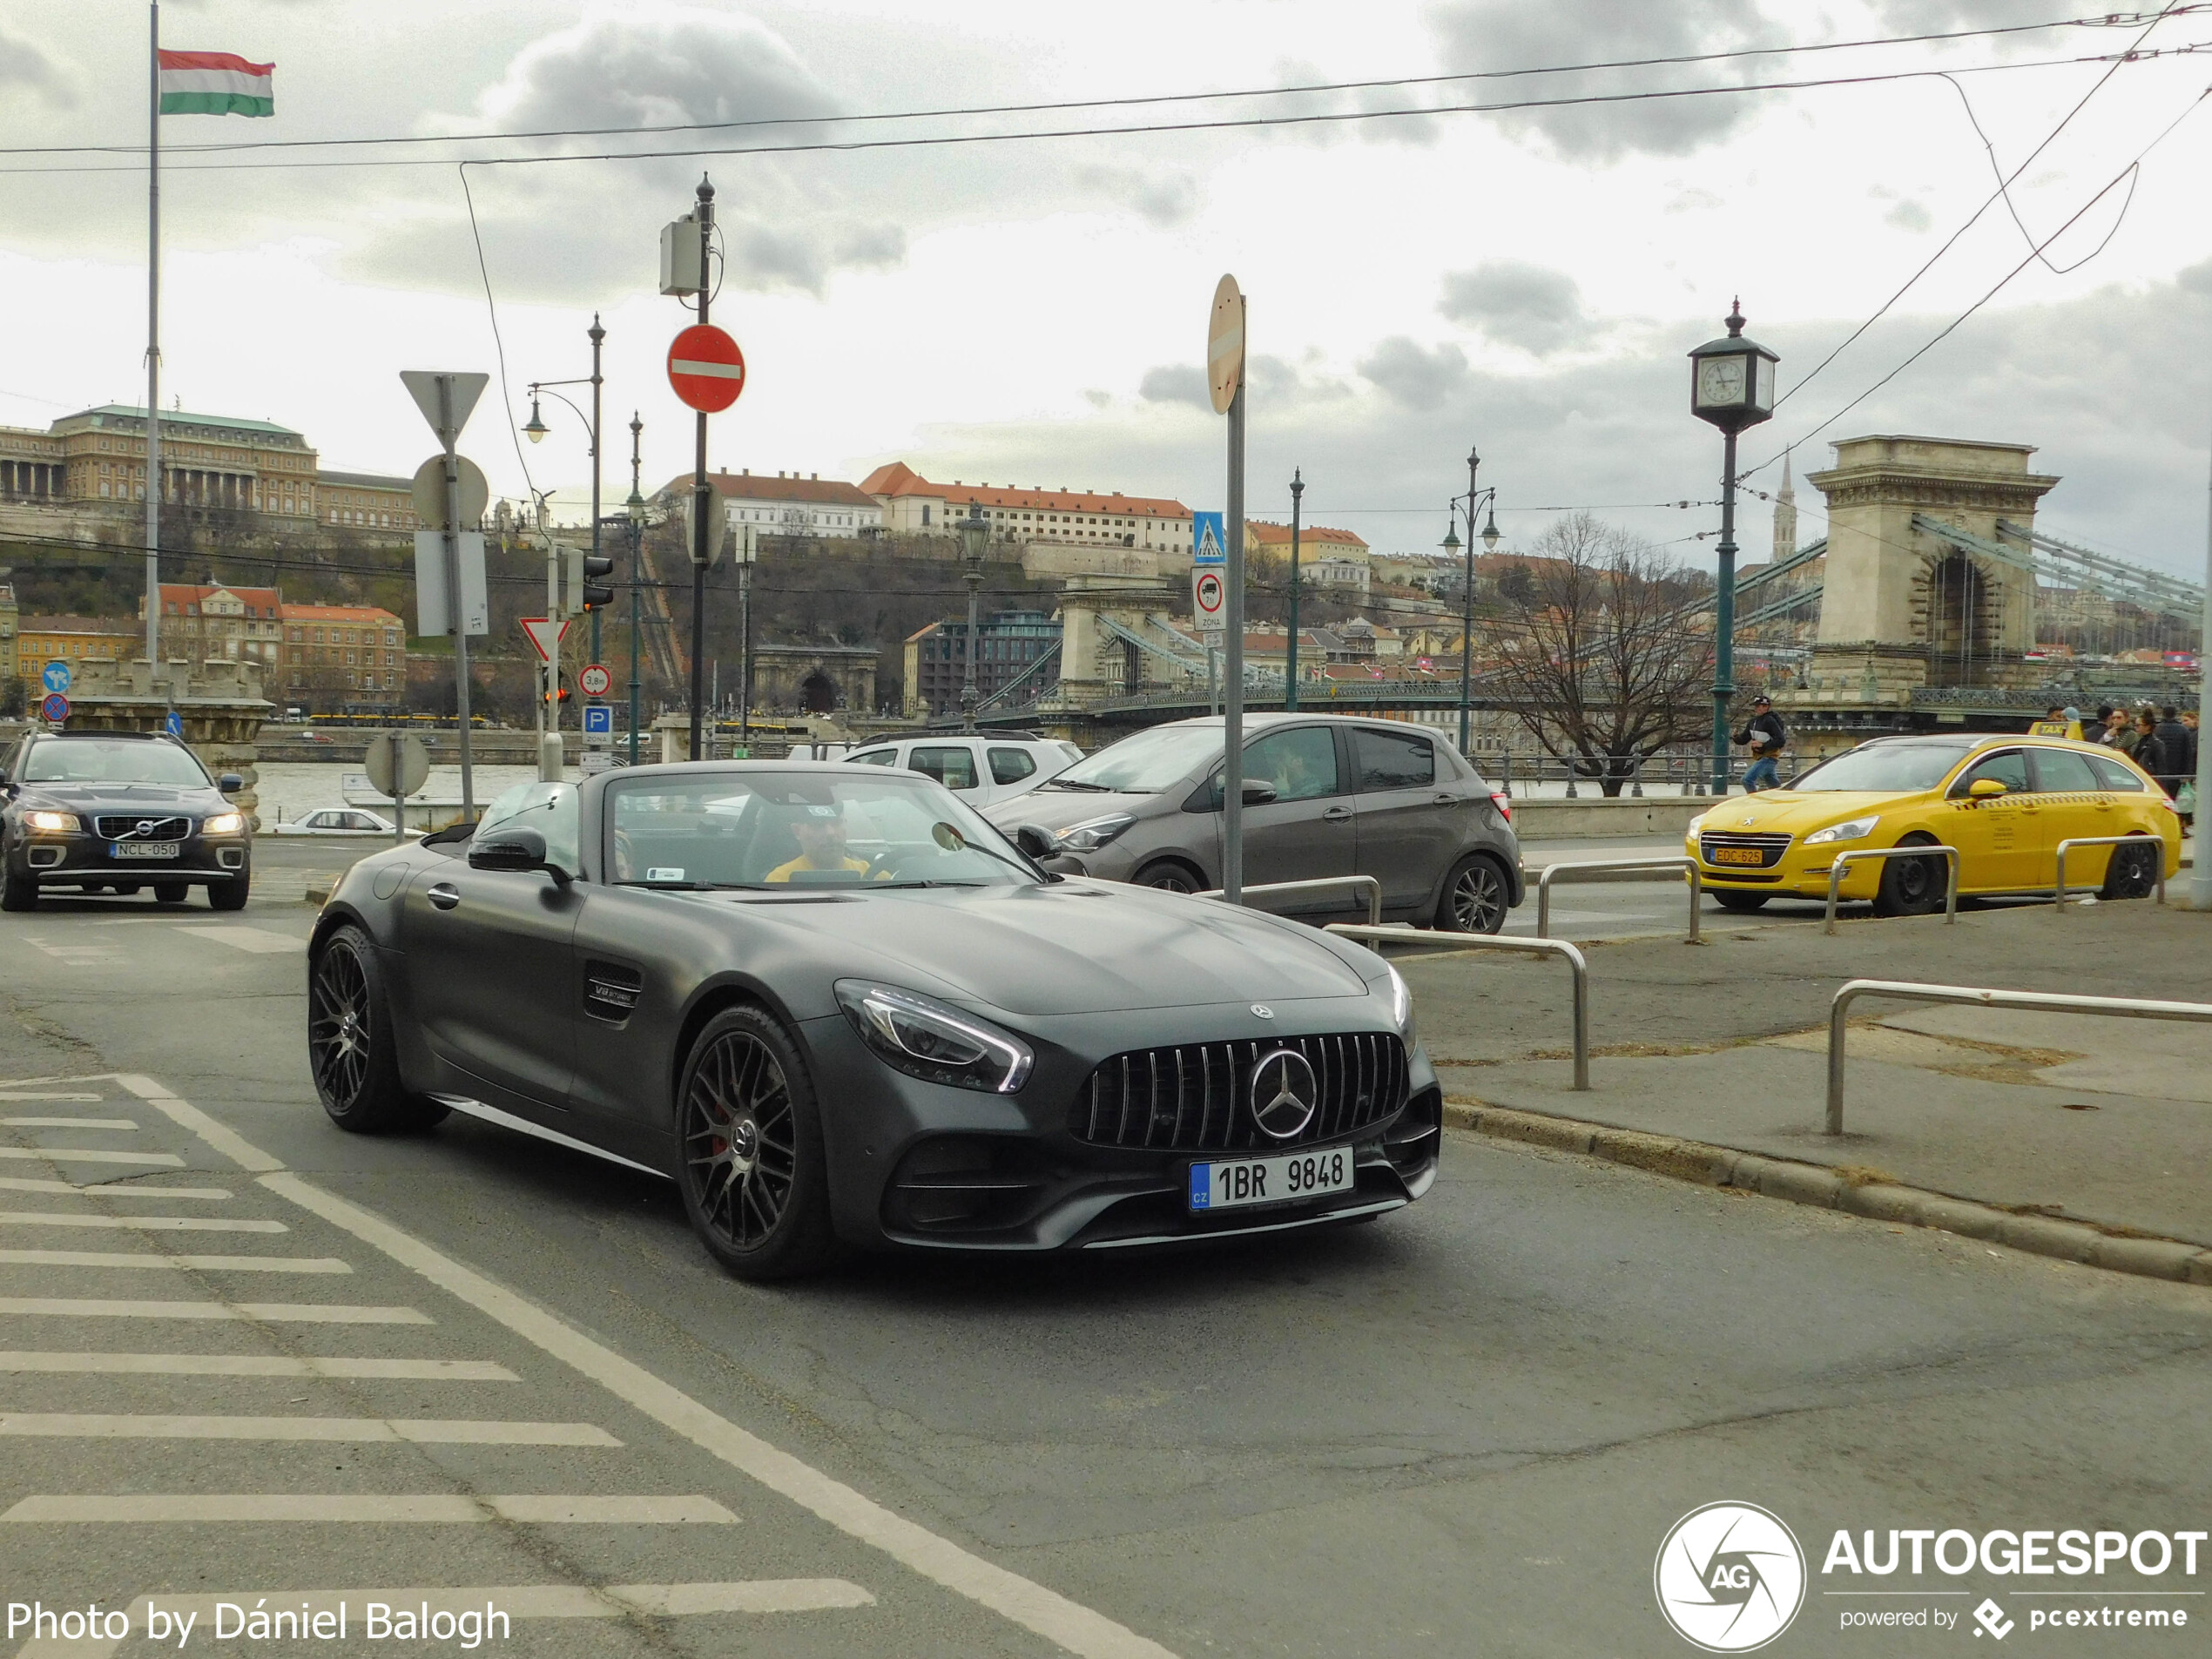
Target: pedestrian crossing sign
1209 541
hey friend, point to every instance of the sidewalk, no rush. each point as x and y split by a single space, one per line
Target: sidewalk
2106 1120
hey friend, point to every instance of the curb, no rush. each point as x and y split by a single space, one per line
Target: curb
1825 1188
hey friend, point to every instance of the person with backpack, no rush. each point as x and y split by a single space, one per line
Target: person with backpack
1766 736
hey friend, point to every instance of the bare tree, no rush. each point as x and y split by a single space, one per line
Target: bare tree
1603 651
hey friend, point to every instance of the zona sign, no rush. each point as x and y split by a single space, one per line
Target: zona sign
706 368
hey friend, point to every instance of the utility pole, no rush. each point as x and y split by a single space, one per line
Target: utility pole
1233 690
153 349
1289 666
2200 870
745 552
702 498
598 335
635 507
1467 618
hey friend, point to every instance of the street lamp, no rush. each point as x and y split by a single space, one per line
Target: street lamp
1731 386
1475 498
973 529
536 429
635 507
1290 665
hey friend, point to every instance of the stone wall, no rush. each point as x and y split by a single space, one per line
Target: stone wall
218 703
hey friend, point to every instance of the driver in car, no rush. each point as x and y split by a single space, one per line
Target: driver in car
820 835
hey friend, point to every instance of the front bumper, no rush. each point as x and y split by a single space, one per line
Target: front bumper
75 861
922 1165
1801 873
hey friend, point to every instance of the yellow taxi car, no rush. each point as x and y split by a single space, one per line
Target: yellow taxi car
2004 802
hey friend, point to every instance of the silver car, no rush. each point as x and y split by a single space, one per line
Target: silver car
1323 796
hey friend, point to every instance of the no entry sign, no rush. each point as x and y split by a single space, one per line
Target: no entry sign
706 368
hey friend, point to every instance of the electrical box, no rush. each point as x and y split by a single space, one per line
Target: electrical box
683 257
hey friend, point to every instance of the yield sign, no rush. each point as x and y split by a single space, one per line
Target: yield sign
446 399
706 368
546 634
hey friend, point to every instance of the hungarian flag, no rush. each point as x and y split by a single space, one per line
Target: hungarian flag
216 83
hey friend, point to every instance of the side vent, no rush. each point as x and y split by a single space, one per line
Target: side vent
611 991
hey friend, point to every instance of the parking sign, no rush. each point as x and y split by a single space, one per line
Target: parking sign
598 721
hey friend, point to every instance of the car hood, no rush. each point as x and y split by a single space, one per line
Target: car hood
125 798
1797 812
1070 947
1059 809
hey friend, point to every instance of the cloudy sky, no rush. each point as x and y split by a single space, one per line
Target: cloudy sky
1524 280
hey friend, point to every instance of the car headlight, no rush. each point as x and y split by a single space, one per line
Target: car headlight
1856 829
1094 833
1401 1004
53 823
1690 829
933 1041
223 824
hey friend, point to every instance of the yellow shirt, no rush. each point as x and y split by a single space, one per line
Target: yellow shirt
784 872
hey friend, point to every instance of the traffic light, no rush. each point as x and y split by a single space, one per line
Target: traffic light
590 581
557 696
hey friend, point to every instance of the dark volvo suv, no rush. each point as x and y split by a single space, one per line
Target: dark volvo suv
114 811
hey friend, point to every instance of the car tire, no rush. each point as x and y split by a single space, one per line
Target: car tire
2133 871
17 891
231 894
1912 887
749 1156
172 892
1474 898
1740 900
351 1050
1169 875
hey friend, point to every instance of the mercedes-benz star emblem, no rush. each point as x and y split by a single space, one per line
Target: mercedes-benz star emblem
1284 1094
1263 1010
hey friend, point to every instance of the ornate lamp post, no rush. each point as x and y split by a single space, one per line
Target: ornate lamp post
973 529
1731 386
1450 545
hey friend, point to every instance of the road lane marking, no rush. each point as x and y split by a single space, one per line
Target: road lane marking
91 1155
205 1264
377 1508
113 1189
67 1122
1067 1624
16 1095
145 1223
254 1364
258 940
82 1307
183 1113
413 1431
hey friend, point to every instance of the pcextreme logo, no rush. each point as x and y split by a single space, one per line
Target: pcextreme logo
1730 1577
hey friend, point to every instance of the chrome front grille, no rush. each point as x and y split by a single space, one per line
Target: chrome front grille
1769 847
1197 1098
140 827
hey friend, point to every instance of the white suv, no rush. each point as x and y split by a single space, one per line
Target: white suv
984 768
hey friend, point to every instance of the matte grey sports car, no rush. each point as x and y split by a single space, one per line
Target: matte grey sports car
840 1009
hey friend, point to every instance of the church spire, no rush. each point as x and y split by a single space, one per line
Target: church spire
1785 514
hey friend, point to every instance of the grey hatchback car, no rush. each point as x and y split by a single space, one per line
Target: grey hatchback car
1324 795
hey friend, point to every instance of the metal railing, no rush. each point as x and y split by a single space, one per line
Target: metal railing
2158 842
1950 855
1372 935
1323 884
1970 996
1657 864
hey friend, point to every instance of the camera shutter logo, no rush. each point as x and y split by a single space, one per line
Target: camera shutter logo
1730 1577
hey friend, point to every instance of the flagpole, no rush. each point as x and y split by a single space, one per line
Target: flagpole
153 347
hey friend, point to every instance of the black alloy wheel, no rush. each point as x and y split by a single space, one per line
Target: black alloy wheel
1475 898
350 1049
1912 887
1168 877
231 894
2134 871
1732 899
750 1150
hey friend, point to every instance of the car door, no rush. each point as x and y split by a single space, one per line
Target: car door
1412 815
2071 801
1309 830
951 765
1996 836
487 959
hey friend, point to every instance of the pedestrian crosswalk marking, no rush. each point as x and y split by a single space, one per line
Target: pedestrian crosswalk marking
440 1509
267 1313
67 1122
206 1263
255 1365
110 1190
252 938
143 1224
416 1431
91 1155
17 1095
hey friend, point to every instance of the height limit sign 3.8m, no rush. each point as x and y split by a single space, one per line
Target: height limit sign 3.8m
706 368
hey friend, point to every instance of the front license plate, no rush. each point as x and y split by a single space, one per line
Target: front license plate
1235 1182
146 849
1736 855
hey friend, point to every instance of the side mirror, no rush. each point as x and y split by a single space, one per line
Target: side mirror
1036 840
513 849
1984 789
1256 793
230 783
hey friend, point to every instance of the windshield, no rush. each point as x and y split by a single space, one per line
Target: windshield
1884 768
113 760
856 827
1145 764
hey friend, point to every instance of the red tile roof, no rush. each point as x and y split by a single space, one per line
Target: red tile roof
896 479
1269 534
369 614
746 486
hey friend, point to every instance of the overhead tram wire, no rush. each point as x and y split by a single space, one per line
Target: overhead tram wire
1236 123
1676 60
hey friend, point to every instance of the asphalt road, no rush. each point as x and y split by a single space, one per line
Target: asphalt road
1465 1429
